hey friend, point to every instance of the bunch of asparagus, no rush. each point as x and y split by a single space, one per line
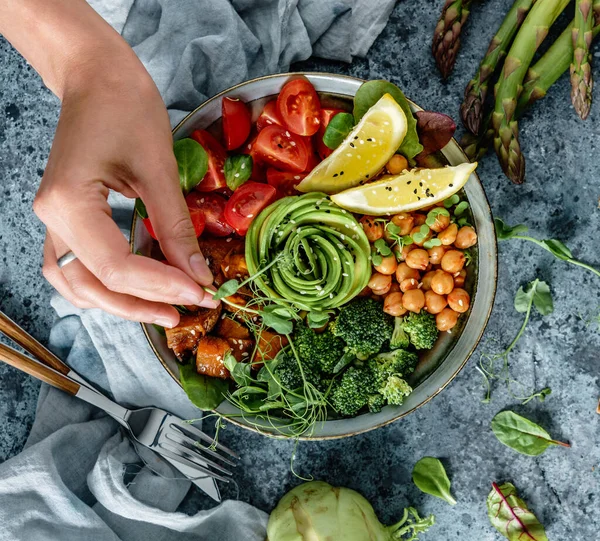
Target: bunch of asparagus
520 84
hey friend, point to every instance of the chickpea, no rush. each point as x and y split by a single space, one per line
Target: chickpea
413 300
388 265
408 284
459 300
435 254
417 230
441 222
392 305
373 229
404 271
397 164
419 219
465 238
401 254
426 280
442 283
453 261
448 235
417 259
405 222
394 288
380 283
459 279
434 303
446 319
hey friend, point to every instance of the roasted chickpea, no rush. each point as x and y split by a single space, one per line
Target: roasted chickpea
426 280
453 261
441 222
446 319
388 265
448 235
405 222
417 259
380 283
419 219
373 229
408 284
459 279
442 283
434 303
465 238
392 305
413 300
397 164
404 271
402 253
459 300
435 254
394 288
417 230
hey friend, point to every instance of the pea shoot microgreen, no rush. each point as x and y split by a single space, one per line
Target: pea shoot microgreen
451 201
461 208
433 214
421 235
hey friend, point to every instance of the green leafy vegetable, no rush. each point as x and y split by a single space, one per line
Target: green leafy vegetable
510 515
370 93
521 434
204 392
227 289
141 208
240 372
430 476
460 208
337 130
238 169
451 201
317 319
421 235
537 293
433 214
274 317
192 163
540 395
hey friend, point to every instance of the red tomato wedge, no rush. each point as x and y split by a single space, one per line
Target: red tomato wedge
212 207
214 178
284 181
246 203
279 148
299 107
196 215
269 116
326 116
258 169
236 122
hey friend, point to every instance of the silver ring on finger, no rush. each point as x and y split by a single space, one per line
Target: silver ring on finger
66 259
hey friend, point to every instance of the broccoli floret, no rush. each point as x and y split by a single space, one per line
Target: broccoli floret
364 326
421 329
288 371
395 389
322 350
399 338
375 402
351 392
398 362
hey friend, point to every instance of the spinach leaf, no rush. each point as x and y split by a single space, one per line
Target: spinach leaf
238 169
278 322
510 515
430 476
204 392
337 130
370 93
521 434
192 163
240 372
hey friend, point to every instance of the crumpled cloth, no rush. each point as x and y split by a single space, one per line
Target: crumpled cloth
69 482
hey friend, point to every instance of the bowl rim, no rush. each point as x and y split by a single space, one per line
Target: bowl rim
488 313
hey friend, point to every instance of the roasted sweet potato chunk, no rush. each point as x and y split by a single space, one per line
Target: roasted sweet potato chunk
211 355
269 345
215 251
191 328
241 349
234 266
230 328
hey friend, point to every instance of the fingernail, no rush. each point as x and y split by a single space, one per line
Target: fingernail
200 269
187 297
207 302
164 322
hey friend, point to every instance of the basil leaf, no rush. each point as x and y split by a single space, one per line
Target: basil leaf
227 289
337 130
203 391
521 434
238 169
317 319
558 249
505 232
510 515
542 299
430 476
241 373
279 324
370 93
192 163
141 208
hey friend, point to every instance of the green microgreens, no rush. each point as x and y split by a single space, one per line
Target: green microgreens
421 235
555 247
469 257
433 214
461 208
431 243
451 201
535 294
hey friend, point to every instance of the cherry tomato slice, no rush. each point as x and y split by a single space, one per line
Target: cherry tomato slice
313 157
214 178
326 115
284 181
269 116
236 122
246 203
258 168
212 207
279 148
299 107
196 215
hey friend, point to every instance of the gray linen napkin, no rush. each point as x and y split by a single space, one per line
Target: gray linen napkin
68 483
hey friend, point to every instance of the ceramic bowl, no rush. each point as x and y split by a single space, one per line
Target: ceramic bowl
438 367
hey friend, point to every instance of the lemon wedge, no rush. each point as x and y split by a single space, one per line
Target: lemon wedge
409 191
365 151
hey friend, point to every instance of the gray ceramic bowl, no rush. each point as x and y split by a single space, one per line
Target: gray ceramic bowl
438 367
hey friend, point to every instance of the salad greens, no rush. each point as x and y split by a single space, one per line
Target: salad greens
430 476
337 130
204 392
238 169
192 163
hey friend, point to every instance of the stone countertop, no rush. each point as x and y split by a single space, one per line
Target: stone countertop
559 199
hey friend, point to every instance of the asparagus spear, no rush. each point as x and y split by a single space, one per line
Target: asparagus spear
506 129
472 106
581 70
446 37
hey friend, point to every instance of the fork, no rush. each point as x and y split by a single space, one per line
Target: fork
178 441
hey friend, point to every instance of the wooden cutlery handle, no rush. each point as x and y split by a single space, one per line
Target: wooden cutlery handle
30 344
37 370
